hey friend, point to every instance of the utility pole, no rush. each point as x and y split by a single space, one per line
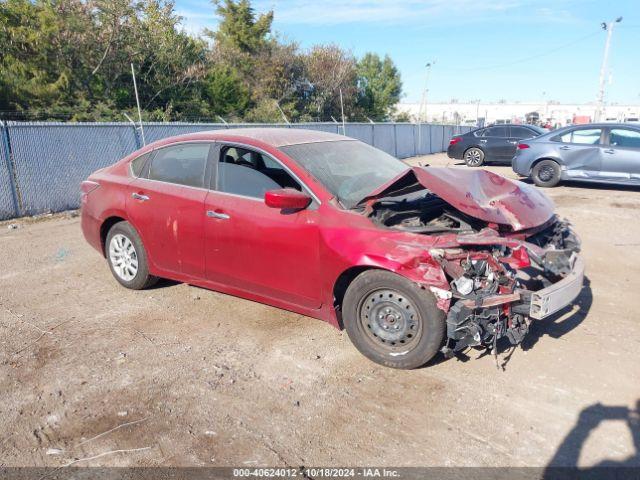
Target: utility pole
608 27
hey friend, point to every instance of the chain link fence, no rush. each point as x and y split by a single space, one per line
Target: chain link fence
43 163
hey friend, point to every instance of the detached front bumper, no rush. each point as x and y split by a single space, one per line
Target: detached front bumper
555 297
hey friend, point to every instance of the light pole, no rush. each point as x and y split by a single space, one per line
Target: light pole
423 103
422 113
600 103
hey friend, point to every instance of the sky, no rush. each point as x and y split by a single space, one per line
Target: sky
487 50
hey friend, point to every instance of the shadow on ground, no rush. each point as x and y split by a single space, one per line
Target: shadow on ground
590 418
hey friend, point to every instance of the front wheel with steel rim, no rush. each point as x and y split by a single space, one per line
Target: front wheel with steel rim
474 157
127 257
546 173
391 320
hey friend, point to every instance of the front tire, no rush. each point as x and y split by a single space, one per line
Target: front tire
474 157
392 321
127 257
546 173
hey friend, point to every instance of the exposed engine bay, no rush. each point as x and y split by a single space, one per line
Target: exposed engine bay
500 279
426 214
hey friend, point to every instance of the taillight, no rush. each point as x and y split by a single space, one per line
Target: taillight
522 146
88 186
455 140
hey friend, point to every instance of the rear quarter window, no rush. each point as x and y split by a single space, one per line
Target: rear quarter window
138 163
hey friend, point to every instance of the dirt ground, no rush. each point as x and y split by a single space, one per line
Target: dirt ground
178 375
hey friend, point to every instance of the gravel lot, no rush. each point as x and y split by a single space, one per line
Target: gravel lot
194 377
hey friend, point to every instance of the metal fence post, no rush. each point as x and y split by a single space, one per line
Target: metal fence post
136 135
373 134
395 140
13 180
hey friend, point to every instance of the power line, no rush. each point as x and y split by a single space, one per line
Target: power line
532 57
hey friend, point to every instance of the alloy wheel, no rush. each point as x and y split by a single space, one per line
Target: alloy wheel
473 157
123 257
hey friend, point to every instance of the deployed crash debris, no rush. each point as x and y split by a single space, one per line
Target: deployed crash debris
506 257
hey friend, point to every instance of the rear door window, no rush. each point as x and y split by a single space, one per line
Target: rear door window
589 136
181 164
521 132
583 136
501 132
624 137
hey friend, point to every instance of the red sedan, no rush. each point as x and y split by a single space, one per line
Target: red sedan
409 260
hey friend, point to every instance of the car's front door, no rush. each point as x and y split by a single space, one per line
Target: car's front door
621 158
495 143
166 206
255 248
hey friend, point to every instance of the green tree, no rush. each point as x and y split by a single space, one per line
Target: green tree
71 59
330 70
225 92
240 27
380 86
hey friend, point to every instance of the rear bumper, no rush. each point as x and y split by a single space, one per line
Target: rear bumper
91 229
455 152
555 297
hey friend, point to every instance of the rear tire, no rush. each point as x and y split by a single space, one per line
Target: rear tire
546 173
127 257
392 321
474 157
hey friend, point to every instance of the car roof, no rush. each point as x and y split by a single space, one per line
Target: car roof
602 125
274 137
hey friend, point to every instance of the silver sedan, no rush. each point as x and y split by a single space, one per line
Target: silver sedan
608 153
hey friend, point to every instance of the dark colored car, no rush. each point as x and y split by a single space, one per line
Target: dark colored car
496 143
606 153
409 260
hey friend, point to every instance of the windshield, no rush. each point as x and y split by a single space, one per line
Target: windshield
349 169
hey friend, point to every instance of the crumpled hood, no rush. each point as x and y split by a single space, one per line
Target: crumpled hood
478 193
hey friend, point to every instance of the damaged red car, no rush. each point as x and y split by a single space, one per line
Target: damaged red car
410 261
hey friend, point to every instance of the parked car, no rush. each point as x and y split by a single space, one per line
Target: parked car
606 152
409 260
496 143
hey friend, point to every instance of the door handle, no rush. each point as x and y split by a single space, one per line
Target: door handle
512 141
218 215
610 150
483 141
565 147
139 196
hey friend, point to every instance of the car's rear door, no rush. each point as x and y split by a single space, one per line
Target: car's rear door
166 206
621 155
255 248
581 152
495 143
516 134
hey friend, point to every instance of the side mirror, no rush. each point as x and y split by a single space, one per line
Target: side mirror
287 199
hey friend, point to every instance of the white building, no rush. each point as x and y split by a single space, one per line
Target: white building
470 113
